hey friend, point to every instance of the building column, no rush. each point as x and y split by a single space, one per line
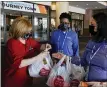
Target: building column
60 8
88 15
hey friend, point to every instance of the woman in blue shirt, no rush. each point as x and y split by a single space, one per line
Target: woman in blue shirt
64 40
95 55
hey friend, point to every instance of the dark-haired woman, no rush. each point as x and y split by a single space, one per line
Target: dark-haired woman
95 55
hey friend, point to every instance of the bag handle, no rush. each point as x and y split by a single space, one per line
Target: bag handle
49 60
60 61
68 64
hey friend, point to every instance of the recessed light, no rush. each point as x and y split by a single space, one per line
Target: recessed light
86 8
77 5
87 4
95 7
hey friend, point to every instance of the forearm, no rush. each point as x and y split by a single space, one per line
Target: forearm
76 50
26 62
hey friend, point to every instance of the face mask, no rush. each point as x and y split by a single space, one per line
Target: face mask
26 36
64 27
91 30
91 27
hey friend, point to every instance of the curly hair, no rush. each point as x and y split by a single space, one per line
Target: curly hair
65 15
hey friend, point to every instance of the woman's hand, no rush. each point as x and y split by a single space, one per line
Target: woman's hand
48 47
45 47
57 55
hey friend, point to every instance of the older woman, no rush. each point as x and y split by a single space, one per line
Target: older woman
20 53
95 55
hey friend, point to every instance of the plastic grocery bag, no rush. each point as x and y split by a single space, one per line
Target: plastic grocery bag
59 75
78 72
42 67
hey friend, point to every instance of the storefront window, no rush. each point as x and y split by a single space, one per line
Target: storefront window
40 29
40 13
53 24
75 16
81 17
77 22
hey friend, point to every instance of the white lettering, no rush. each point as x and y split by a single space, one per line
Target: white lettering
21 6
28 8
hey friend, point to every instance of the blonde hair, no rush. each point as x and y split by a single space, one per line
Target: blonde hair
19 27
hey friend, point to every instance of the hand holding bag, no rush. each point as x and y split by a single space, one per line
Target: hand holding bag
41 67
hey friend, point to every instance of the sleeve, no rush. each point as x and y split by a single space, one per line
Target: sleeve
83 58
75 46
52 38
14 57
86 54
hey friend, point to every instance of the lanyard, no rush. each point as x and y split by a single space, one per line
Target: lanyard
91 57
62 43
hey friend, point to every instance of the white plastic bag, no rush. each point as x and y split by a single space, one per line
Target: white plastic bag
41 67
78 72
59 75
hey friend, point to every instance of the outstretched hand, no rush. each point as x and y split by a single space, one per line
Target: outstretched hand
45 47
